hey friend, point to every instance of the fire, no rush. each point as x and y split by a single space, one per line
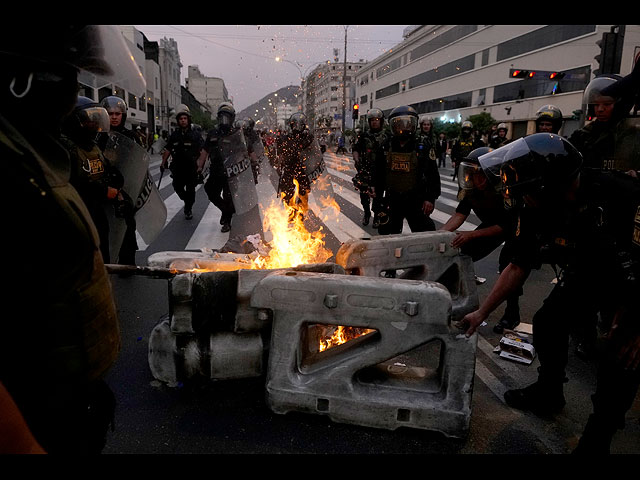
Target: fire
292 244
338 334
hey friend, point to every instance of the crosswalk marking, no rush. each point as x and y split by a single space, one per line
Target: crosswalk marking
207 233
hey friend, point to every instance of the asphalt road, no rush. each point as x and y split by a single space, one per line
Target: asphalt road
232 417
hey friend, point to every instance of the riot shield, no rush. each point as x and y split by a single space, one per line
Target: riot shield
158 145
237 166
148 207
319 178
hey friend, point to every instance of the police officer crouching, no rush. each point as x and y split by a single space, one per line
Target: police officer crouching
411 179
587 222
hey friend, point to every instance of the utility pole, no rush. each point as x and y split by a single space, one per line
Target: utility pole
344 80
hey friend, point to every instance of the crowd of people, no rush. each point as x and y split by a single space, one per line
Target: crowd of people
573 203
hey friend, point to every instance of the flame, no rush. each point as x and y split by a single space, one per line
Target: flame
340 335
292 243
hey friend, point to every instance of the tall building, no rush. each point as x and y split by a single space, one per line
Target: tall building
324 90
209 91
454 71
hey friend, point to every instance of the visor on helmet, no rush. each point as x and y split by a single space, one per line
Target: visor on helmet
403 125
94 119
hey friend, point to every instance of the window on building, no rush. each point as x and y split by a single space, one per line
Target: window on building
442 40
132 101
540 38
574 80
453 68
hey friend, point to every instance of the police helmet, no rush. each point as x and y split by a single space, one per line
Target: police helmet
470 175
403 121
113 103
549 113
593 93
226 115
502 126
298 122
90 115
467 125
375 114
249 123
542 164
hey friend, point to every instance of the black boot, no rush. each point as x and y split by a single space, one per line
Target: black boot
541 398
366 218
376 221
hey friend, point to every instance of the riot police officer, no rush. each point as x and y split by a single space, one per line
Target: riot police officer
463 146
116 107
184 146
67 313
367 154
217 186
294 183
500 138
478 193
548 119
411 178
610 141
585 221
96 180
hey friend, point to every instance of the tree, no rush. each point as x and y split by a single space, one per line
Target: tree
482 122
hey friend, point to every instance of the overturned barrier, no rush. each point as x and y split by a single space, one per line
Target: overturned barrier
419 256
407 367
211 330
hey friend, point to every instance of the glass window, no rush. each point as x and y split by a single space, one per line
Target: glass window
540 38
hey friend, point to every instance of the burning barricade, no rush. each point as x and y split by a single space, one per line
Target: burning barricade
339 339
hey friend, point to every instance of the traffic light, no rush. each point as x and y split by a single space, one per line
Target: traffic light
610 55
556 75
354 113
516 73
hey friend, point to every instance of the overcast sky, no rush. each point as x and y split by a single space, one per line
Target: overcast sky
244 55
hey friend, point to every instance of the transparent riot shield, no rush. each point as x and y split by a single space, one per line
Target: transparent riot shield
319 178
237 166
267 174
149 209
158 145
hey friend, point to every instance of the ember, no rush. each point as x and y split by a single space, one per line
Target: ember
334 335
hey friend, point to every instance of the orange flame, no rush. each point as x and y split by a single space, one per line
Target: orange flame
341 335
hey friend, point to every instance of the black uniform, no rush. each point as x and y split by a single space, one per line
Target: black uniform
127 254
92 175
461 148
184 146
410 178
595 242
217 185
370 154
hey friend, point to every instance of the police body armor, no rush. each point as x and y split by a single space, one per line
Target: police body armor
402 171
148 207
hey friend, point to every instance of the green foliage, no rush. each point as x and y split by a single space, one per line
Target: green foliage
482 121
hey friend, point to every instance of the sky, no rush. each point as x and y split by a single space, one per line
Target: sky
244 56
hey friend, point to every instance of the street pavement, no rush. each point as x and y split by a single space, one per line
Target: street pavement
231 416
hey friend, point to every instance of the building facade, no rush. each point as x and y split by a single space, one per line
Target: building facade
451 72
210 91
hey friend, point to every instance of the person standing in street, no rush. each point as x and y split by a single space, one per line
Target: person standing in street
442 146
411 178
463 146
116 107
61 334
367 153
92 175
184 147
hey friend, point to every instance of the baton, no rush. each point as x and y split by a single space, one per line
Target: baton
160 179
154 272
